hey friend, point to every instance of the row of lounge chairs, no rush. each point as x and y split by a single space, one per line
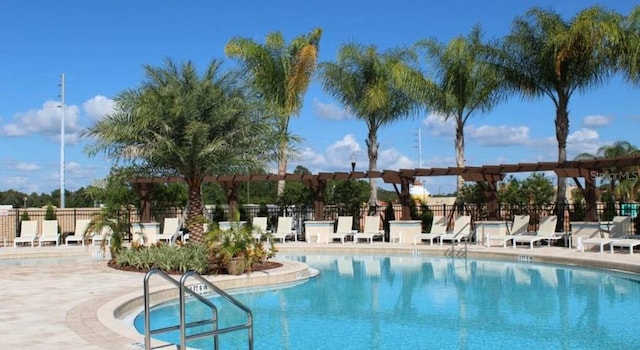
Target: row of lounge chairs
29 233
582 233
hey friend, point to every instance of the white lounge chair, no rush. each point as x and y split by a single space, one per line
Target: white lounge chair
546 231
79 232
618 228
370 231
259 227
344 229
28 232
438 228
625 243
519 226
170 230
461 230
587 234
226 225
284 230
49 232
103 236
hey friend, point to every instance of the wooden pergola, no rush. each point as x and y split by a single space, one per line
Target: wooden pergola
588 170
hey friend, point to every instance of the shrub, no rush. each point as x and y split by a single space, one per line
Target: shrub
237 243
181 259
50 213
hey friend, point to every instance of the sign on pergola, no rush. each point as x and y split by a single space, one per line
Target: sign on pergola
589 170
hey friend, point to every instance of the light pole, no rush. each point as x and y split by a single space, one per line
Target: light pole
25 202
353 162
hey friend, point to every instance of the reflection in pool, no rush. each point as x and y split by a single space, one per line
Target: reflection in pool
371 302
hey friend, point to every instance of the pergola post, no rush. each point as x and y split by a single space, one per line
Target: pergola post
492 200
231 193
404 195
318 187
588 192
492 192
590 199
144 192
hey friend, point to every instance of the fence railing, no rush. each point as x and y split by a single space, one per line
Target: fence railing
10 219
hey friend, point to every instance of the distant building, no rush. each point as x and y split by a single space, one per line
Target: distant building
419 192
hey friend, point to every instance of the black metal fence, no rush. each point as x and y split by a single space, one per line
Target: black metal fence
10 219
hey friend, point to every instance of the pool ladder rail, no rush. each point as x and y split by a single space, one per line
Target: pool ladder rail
185 291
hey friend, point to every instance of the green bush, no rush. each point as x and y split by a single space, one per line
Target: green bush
426 218
578 213
50 214
181 259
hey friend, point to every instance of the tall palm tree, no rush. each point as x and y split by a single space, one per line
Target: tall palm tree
179 123
463 83
362 79
630 59
281 74
621 181
545 55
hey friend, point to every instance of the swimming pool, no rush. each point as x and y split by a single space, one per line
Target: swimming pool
371 302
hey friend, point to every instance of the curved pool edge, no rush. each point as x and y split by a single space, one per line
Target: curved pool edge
112 314
623 262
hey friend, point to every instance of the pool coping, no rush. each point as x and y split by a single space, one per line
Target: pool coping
113 313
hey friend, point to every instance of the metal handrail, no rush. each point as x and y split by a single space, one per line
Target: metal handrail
183 290
215 332
147 307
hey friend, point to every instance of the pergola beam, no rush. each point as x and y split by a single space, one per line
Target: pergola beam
488 173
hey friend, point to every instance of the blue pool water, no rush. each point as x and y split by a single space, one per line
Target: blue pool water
413 302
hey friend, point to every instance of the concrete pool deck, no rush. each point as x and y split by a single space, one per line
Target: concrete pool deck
68 300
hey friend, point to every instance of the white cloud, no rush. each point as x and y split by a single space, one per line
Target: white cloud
45 121
502 135
439 126
583 141
596 120
20 183
310 158
391 159
339 154
25 167
98 107
330 111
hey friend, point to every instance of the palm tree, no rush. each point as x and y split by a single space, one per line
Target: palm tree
463 84
178 123
630 60
281 75
363 81
545 55
622 182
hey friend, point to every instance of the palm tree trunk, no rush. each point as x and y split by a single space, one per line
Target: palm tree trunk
195 211
460 162
372 149
562 132
282 166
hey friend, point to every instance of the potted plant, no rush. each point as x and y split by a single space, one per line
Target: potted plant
235 249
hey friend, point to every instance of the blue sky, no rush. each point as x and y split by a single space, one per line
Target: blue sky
101 47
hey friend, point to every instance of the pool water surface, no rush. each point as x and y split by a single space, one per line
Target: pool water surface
415 302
